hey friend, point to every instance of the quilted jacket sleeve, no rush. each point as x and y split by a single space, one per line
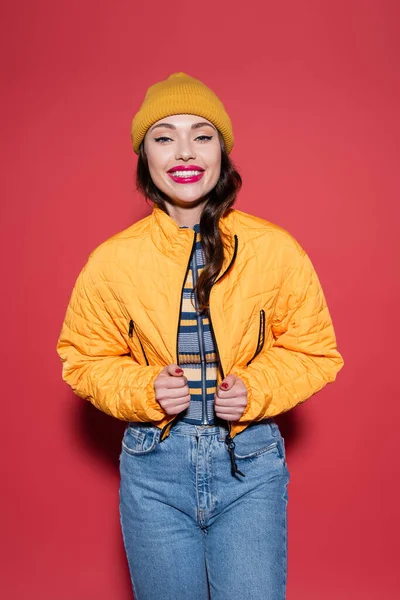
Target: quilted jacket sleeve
96 361
303 357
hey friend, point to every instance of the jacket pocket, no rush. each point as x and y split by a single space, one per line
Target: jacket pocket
131 329
261 336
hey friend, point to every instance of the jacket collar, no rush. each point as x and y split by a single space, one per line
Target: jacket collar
176 242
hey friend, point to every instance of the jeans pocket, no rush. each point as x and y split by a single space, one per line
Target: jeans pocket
258 438
139 439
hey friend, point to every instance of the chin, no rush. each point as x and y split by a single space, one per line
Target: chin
187 199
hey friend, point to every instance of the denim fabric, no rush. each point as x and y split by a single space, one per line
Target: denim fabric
190 528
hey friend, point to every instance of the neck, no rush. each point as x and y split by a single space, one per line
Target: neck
185 215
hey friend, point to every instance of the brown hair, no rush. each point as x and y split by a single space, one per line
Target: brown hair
219 200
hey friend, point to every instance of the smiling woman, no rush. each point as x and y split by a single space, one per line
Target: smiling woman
197 325
187 155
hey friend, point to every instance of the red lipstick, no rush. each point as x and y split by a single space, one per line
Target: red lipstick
176 173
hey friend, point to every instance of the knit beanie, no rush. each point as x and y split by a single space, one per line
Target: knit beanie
176 95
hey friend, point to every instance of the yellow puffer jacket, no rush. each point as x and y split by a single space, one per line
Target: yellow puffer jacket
268 313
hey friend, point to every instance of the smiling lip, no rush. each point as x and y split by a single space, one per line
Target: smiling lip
190 178
185 168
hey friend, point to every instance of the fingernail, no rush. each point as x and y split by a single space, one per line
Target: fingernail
224 385
178 371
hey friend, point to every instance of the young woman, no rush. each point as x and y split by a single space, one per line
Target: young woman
198 325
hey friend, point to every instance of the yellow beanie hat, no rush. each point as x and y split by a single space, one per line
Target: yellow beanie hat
176 95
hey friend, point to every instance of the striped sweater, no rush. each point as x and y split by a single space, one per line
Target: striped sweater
196 351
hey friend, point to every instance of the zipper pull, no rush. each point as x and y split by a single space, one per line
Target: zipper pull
231 449
163 430
130 332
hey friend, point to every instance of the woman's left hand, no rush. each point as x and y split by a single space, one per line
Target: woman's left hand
230 401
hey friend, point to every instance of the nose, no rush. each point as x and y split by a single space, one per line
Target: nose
184 149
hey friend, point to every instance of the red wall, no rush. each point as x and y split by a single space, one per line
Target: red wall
313 92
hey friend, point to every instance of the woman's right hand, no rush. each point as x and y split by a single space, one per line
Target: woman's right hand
172 391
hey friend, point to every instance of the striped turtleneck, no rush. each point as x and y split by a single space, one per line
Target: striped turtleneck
196 351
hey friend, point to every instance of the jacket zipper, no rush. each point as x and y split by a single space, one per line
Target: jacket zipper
209 313
204 420
168 425
261 336
228 439
231 261
130 334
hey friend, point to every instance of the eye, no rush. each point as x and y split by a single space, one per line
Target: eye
163 139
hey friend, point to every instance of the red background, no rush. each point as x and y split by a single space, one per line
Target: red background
313 92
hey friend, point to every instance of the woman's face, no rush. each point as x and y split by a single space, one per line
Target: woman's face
180 142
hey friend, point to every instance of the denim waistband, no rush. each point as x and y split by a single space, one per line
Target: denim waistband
221 429
184 428
198 429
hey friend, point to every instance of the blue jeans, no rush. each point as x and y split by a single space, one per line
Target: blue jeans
193 530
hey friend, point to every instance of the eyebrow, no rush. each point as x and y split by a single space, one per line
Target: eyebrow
194 126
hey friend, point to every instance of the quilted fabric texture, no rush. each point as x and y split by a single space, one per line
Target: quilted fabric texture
268 312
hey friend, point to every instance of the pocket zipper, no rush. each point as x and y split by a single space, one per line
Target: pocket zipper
130 334
261 336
